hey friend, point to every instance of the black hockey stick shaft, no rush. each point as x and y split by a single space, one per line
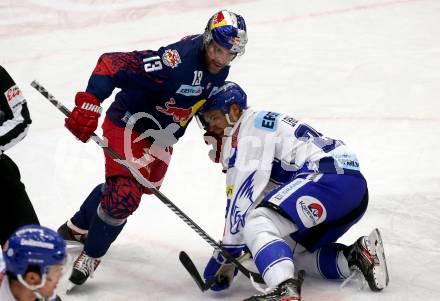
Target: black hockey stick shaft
257 277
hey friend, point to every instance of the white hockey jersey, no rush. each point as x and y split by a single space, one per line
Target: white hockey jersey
265 150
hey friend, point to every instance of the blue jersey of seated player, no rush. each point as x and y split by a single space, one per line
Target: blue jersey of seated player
169 85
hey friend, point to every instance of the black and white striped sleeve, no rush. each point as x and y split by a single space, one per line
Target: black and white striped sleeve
14 113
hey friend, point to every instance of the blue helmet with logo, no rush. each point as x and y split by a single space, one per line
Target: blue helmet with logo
33 245
228 30
222 98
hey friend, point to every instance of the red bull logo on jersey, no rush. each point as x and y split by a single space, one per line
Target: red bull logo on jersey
171 58
180 115
310 211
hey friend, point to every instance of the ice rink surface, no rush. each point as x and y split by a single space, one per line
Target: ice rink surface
364 71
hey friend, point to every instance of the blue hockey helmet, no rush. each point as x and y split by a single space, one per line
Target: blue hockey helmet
33 245
228 30
223 97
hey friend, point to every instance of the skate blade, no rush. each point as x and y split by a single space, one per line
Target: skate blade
70 287
380 271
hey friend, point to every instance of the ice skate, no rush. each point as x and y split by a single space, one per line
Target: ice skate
367 256
83 268
289 290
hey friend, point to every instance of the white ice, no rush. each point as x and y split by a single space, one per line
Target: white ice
364 71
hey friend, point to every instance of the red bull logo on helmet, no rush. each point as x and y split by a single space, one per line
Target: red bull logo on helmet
171 58
218 20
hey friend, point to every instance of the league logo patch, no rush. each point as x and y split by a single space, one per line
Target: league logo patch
310 211
171 58
12 92
14 96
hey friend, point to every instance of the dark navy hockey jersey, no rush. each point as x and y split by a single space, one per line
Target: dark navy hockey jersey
170 84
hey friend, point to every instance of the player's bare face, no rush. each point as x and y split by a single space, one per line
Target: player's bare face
217 57
216 121
53 277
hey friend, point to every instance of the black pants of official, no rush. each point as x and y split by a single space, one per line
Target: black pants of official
15 207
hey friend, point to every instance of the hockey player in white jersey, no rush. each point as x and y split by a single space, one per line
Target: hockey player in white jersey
291 193
32 264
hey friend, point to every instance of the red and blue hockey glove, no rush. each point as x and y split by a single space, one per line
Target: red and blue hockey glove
219 267
83 120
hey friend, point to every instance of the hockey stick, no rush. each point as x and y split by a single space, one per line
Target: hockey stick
192 270
257 277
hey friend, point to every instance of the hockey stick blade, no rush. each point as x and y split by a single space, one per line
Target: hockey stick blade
204 286
192 270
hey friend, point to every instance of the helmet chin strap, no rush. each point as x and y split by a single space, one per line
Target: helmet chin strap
229 120
231 124
34 288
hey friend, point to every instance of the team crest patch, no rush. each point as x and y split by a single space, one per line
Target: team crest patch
310 211
14 96
171 58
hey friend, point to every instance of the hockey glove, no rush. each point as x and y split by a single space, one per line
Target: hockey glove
219 267
83 120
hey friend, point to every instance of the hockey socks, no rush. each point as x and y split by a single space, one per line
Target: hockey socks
83 218
101 235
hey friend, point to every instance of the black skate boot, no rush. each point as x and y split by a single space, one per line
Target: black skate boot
367 256
289 290
83 268
71 235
